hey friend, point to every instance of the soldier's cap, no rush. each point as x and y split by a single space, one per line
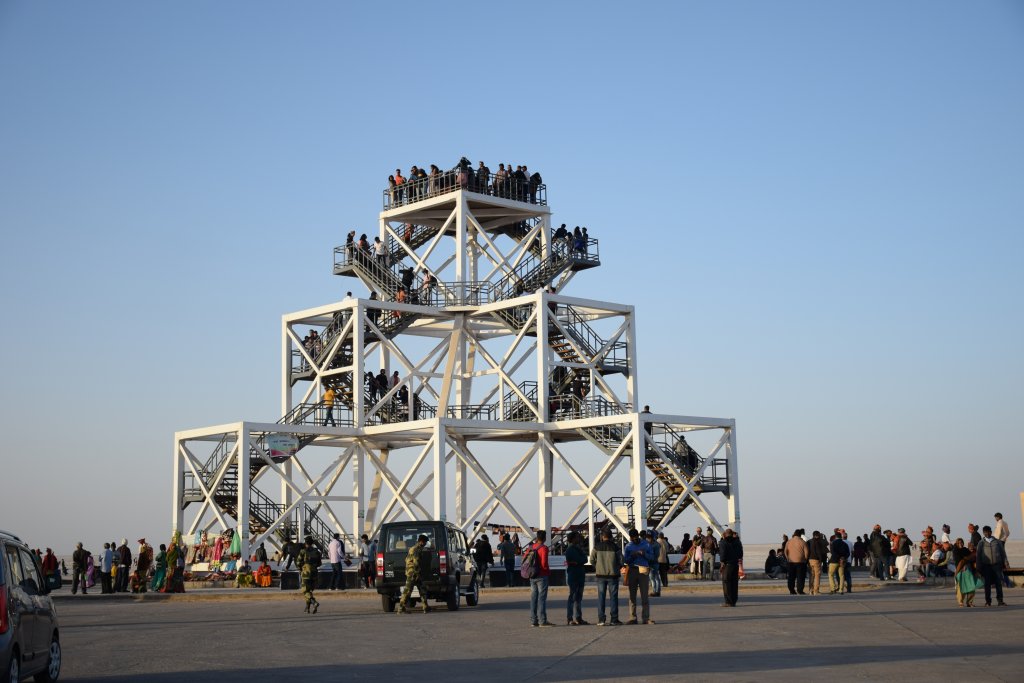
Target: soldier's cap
901 530
308 540
423 538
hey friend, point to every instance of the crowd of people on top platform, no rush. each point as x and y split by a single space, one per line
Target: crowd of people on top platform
518 184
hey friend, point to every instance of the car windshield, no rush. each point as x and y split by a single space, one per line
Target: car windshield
403 538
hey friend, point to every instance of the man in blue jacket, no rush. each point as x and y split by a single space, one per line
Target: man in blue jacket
639 558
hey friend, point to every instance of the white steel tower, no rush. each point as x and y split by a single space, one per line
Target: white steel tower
490 369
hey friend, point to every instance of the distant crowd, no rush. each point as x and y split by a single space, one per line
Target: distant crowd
976 562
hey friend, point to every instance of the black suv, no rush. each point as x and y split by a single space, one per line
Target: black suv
447 570
29 638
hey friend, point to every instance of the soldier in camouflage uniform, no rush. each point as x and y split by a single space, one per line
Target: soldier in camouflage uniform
412 576
309 560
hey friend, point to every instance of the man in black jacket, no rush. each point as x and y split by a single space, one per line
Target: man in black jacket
839 556
484 557
79 561
124 564
880 549
817 557
730 552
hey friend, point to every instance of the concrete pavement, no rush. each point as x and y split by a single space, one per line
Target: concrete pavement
896 633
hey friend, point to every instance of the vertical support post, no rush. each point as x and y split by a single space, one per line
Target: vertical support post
286 353
637 471
286 406
359 363
439 483
243 490
541 313
734 480
360 520
632 387
545 462
590 522
462 272
177 512
460 492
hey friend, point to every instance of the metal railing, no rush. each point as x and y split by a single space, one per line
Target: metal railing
573 407
591 342
322 344
516 410
412 235
316 414
433 185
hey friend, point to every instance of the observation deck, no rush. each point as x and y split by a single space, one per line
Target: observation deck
508 186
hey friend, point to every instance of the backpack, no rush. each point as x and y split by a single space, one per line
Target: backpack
528 569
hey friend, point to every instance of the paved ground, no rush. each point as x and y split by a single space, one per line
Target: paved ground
896 633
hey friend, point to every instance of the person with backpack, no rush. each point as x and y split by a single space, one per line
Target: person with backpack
535 568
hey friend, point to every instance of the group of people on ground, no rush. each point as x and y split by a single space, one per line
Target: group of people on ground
977 562
120 571
639 566
518 184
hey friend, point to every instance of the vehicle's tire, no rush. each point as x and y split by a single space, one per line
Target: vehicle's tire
52 671
453 597
387 602
14 668
473 594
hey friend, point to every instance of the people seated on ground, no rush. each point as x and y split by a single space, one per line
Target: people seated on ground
772 567
244 577
263 575
937 562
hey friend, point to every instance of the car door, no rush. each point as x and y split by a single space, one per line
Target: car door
462 560
24 619
36 590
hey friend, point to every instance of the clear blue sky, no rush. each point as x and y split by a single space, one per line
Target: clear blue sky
817 209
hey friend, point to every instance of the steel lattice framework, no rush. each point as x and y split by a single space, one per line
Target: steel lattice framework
492 371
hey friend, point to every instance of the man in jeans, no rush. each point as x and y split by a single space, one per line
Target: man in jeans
710 546
839 555
539 581
336 554
606 559
639 556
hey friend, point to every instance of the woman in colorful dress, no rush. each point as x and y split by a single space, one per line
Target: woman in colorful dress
160 571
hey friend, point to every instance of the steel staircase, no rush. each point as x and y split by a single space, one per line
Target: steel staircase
665 488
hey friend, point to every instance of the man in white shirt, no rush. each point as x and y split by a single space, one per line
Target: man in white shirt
945 534
336 555
1001 531
380 250
1002 534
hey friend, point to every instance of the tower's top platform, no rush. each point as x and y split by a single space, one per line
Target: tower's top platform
517 184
